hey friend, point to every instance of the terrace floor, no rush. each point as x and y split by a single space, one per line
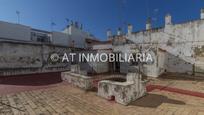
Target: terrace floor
62 98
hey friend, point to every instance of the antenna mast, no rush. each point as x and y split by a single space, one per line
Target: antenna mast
18 16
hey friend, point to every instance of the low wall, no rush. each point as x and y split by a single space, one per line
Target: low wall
26 58
81 81
123 92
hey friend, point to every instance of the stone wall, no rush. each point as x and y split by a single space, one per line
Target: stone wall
123 92
81 81
25 58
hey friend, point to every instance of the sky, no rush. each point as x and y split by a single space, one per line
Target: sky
98 15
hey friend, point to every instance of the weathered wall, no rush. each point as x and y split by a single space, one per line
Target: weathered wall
124 66
81 81
49 65
24 58
199 57
177 65
15 55
178 40
94 67
123 92
60 38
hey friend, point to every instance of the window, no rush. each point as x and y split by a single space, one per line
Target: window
40 37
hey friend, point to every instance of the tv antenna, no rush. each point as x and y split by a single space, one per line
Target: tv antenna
18 16
52 24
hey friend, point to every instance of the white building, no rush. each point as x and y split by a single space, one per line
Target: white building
71 36
177 48
77 35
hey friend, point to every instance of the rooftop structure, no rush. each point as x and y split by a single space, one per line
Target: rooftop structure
176 46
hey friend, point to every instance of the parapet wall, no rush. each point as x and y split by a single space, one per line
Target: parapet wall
26 58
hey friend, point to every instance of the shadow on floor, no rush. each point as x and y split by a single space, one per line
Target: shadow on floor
154 100
32 79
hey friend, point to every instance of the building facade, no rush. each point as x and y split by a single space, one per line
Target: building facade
176 48
71 36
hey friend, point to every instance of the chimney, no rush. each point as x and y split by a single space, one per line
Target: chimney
202 14
168 19
130 28
81 26
119 31
72 23
108 33
76 24
148 24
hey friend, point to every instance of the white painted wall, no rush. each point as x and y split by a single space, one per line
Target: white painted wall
11 31
14 31
178 34
60 38
77 35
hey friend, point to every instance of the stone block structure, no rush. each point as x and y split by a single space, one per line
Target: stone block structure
81 81
77 77
123 92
